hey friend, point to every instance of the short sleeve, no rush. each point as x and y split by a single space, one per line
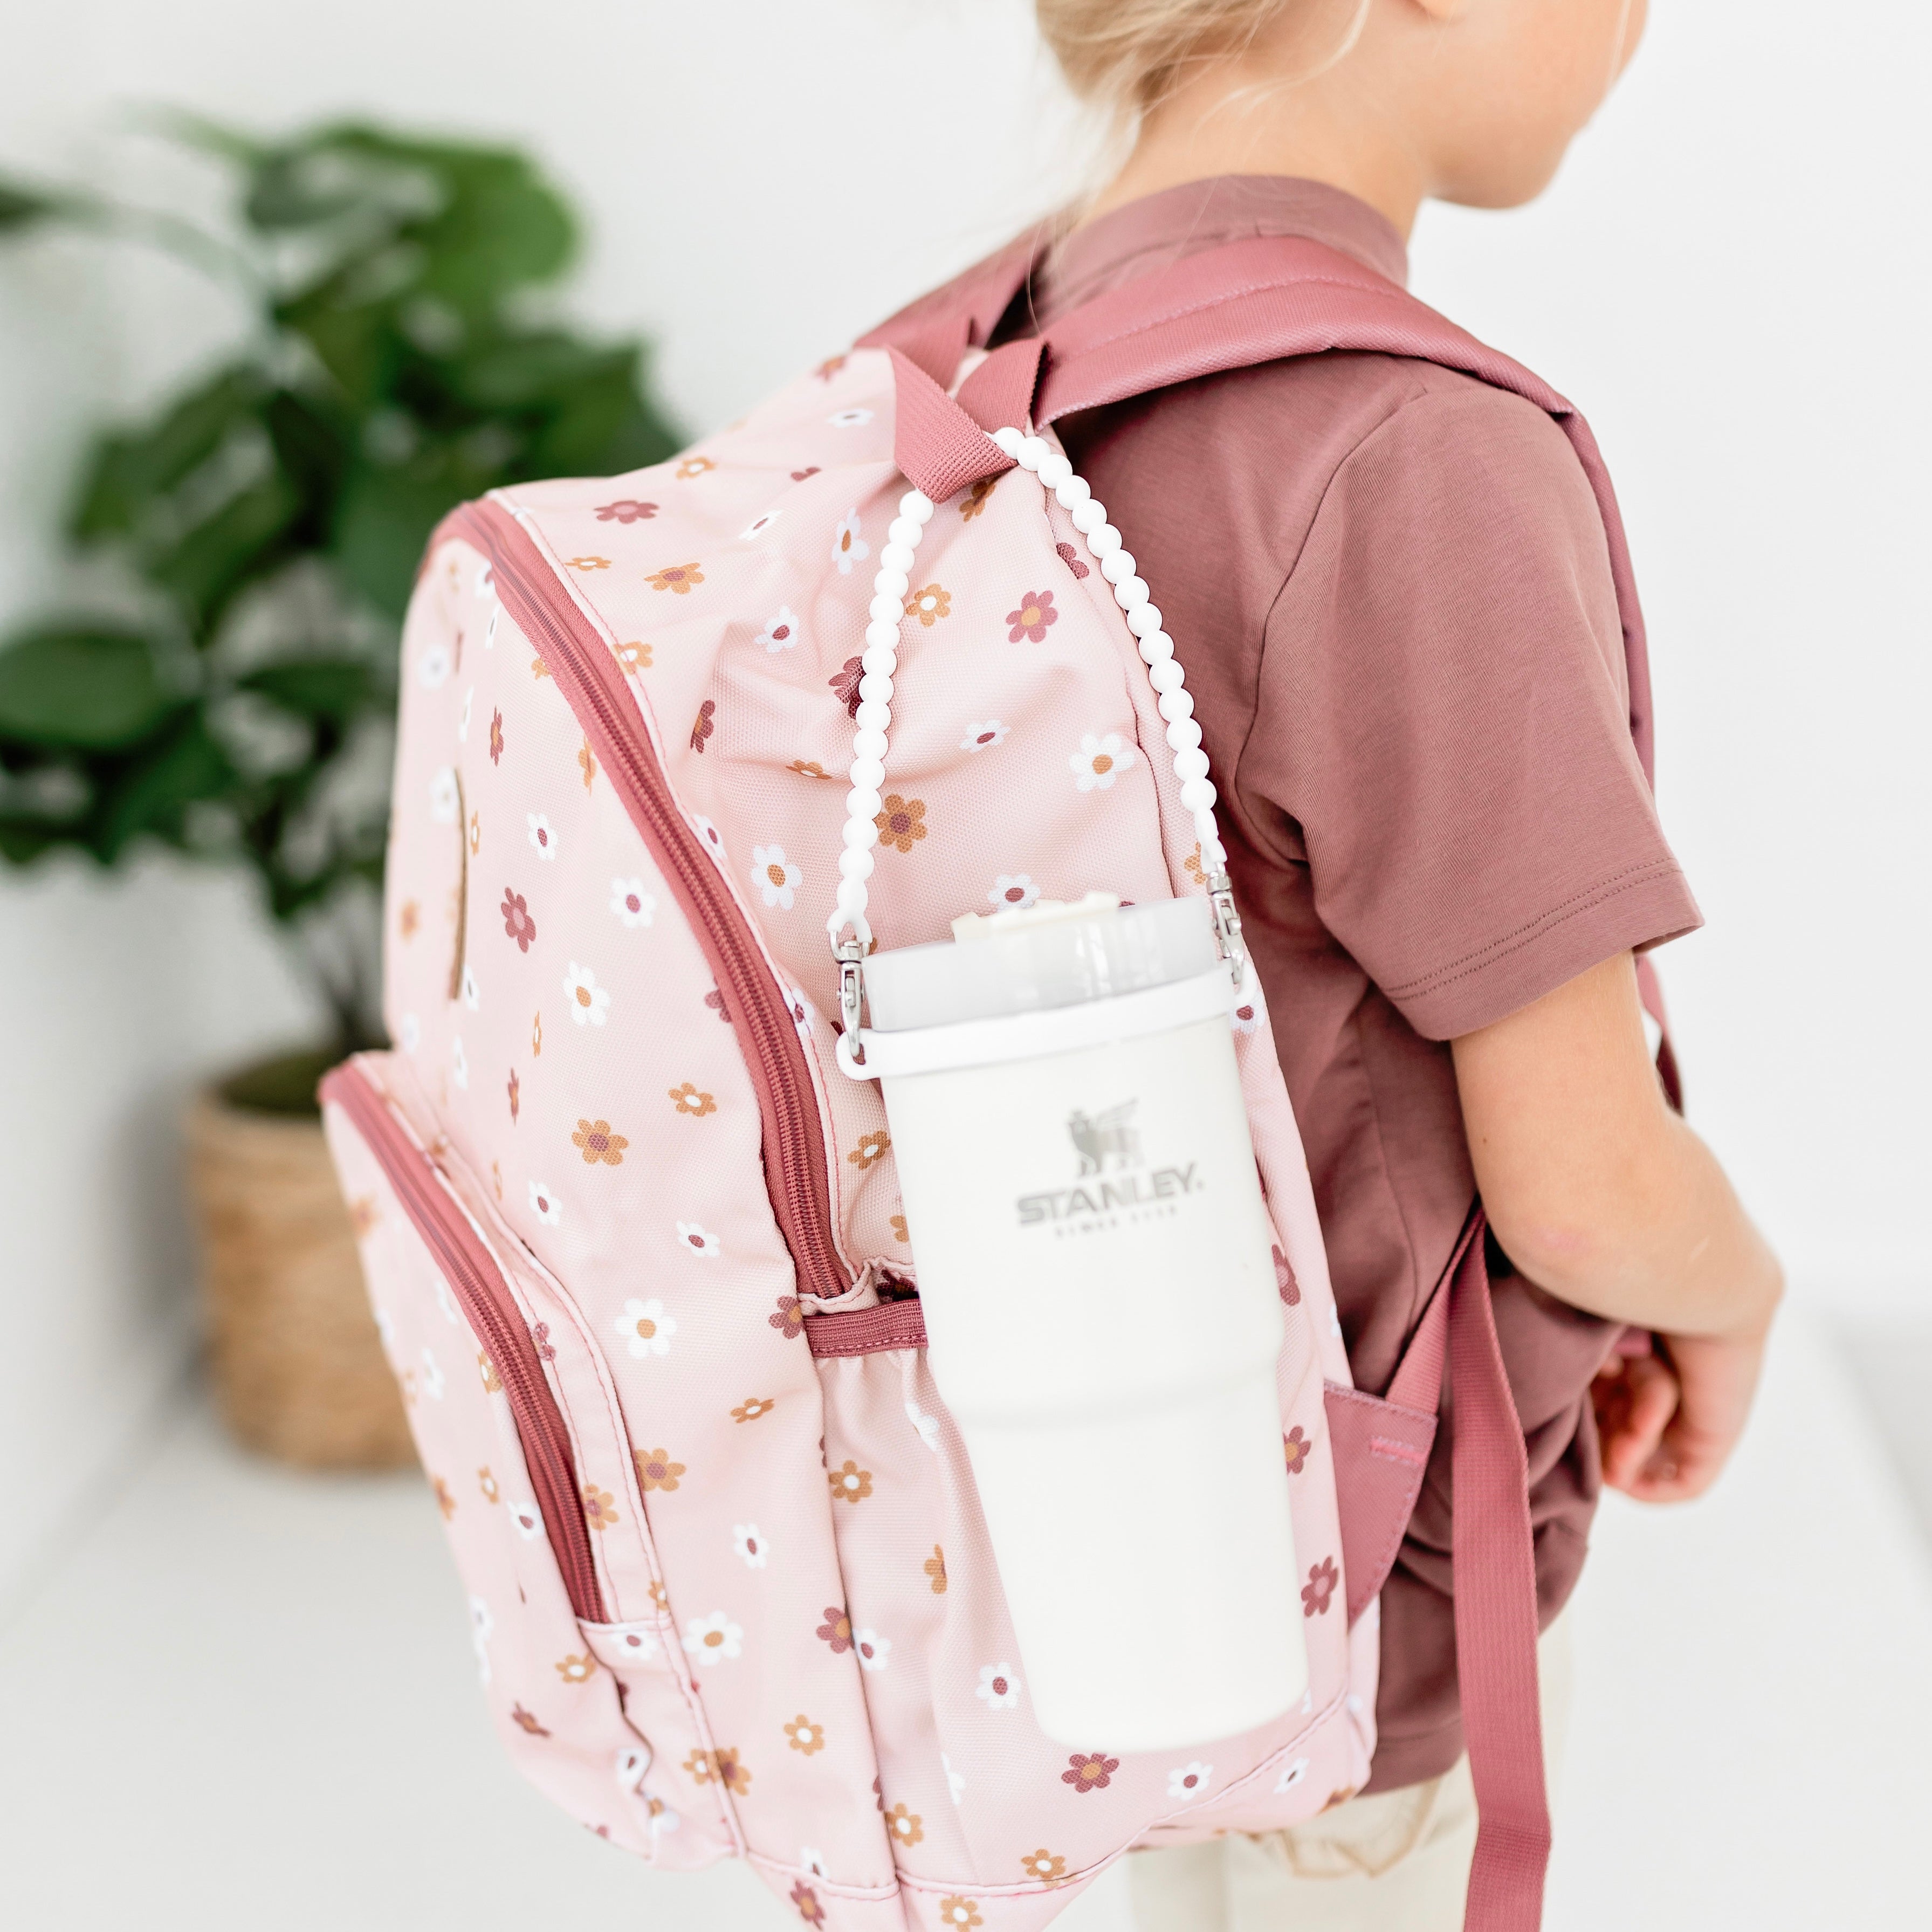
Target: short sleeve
1443 717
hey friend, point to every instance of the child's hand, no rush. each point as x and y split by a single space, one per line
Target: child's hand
1670 1415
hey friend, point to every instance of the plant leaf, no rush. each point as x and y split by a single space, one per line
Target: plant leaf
185 766
92 689
240 542
385 517
22 206
336 688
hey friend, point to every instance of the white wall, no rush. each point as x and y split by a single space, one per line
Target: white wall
1731 276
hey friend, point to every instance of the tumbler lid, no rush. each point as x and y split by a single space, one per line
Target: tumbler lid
1046 956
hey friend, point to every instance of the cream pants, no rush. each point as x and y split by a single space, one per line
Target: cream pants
1394 1861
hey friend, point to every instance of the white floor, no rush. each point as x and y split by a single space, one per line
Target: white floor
243 1703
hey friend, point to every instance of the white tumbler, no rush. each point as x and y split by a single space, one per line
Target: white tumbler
1097 1273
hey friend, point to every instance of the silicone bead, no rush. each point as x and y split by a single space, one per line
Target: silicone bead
1054 470
1009 440
907 530
870 744
881 658
864 805
1103 540
1190 764
896 556
1074 491
1117 565
868 770
1032 452
874 689
917 505
860 828
1131 592
1089 516
1197 795
1155 645
1177 704
851 897
875 715
855 863
1183 734
892 583
1166 675
1143 618
883 633
884 610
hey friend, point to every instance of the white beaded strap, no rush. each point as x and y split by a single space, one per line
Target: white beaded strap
851 935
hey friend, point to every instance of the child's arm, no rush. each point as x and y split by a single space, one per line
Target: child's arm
1601 1194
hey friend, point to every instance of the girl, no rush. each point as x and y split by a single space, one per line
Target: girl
1404 639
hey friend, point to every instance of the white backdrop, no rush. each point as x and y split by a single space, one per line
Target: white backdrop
1730 277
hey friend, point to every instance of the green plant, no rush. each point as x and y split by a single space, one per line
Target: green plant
233 693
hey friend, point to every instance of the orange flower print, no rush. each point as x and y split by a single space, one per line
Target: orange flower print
850 1484
362 1214
902 821
729 1770
803 1736
935 1570
975 497
960 1912
1318 1592
487 1483
829 367
496 737
626 510
753 1407
809 768
806 1900
514 1088
699 1767
475 833
539 669
633 658
694 466
1295 1448
907 1827
660 1598
590 563
790 1319
493 1382
577 1670
930 605
1043 1867
409 918
687 1099
525 1721
1090 1771
655 1470
596 1141
1341 1797
1036 612
1191 865
496 1171
586 763
445 1501
836 1629
871 1149
536 1036
600 1507
677 578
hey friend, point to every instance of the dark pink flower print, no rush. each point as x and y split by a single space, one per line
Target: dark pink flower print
1320 1587
1035 612
496 737
703 728
540 1335
800 475
789 1318
837 1629
1070 557
516 920
806 1900
1286 1286
1089 1771
626 510
847 682
714 999
1295 1448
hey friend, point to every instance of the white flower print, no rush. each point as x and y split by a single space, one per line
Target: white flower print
639 1646
529 1519
1012 891
444 800
459 1062
542 836
813 1860
544 1204
1292 1774
711 1639
1189 1781
983 737
408 1032
463 723
757 527
693 1237
447 1303
489 629
848 547
874 1651
775 876
646 1326
385 1330
482 1627
956 1781
714 839
749 1539
999 1688
663 1818
783 633
484 581
1099 761
589 1001
851 418
804 1014
433 668
927 1425
472 993
631 1765
630 902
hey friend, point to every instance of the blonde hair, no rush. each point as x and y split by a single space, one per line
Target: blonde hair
1126 55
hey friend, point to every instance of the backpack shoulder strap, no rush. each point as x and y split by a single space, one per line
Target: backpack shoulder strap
1231 307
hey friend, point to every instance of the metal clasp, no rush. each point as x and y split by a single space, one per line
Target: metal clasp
1227 925
851 955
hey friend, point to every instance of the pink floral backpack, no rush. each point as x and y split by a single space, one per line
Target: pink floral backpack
634 1241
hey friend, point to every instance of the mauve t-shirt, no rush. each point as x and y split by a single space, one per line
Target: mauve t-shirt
1390 585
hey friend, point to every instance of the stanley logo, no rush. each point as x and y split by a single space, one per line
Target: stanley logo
1109 1148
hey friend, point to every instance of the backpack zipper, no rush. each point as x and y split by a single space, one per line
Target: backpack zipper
472 1274
580 661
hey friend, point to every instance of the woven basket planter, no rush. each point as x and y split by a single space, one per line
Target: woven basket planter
298 1366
